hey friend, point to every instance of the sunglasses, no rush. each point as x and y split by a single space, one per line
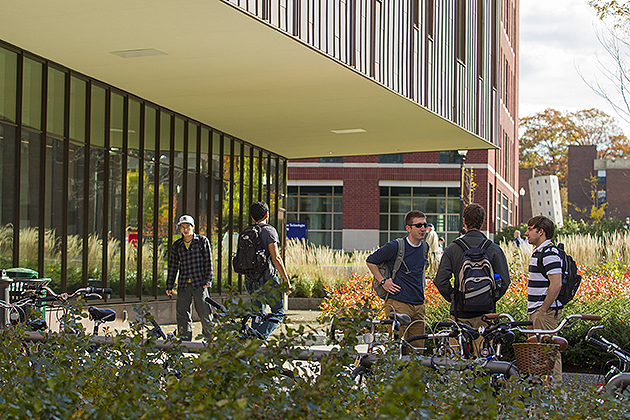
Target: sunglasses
419 225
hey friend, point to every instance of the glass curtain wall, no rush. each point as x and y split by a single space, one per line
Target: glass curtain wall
439 204
93 181
321 208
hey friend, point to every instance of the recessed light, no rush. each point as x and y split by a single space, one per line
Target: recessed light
349 131
143 52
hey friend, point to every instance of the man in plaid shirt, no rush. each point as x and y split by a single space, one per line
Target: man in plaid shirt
192 258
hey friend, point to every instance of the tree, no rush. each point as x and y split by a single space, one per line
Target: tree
617 11
546 137
616 72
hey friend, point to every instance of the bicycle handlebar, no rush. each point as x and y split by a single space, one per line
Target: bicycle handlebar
568 320
607 345
457 328
51 296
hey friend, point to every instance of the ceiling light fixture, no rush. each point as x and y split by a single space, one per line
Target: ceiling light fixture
349 131
142 52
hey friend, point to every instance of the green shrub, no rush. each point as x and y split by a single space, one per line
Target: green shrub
230 379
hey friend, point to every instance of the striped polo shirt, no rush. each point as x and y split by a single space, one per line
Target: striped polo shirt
538 283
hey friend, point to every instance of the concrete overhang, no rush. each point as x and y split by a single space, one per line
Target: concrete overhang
216 64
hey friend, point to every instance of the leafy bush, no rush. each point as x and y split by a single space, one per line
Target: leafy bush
230 378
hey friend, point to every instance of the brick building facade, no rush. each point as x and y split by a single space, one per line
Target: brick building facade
605 179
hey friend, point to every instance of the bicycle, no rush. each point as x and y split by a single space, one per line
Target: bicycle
443 353
617 378
246 332
40 295
535 357
364 361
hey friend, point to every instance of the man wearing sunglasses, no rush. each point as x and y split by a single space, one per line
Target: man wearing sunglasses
406 289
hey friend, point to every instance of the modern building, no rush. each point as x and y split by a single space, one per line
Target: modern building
119 116
544 195
465 69
597 181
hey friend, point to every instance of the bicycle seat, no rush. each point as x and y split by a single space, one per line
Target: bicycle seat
38 324
562 342
102 315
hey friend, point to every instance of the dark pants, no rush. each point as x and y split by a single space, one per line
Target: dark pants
185 297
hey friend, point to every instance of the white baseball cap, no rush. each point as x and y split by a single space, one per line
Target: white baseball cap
186 219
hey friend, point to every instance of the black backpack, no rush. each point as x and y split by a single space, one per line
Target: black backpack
475 284
570 278
250 258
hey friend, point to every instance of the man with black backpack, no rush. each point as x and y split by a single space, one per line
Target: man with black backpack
480 271
403 288
545 280
258 258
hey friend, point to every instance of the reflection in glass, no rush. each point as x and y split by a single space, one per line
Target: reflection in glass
53 211
8 85
400 205
178 152
116 121
78 92
7 192
55 116
97 117
397 222
96 211
149 132
131 226
133 132
32 94
115 228
30 165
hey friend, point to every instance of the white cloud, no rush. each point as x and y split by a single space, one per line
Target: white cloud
558 42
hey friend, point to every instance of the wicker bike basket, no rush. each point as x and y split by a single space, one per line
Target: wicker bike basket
535 358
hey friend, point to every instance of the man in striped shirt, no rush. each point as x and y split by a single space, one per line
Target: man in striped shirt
545 280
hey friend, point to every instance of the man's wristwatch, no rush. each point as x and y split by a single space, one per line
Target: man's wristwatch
383 282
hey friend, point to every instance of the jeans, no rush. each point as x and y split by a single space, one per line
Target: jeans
269 294
183 308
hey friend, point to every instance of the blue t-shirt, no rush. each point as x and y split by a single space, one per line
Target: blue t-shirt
410 275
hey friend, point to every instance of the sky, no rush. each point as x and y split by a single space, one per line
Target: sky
558 42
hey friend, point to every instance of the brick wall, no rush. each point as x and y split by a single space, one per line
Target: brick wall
580 169
618 193
361 201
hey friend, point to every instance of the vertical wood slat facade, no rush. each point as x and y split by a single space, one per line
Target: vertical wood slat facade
391 42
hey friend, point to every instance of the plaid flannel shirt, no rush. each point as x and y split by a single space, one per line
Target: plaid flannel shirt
194 263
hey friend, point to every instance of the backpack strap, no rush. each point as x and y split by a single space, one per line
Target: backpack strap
399 256
541 267
462 244
425 248
539 262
